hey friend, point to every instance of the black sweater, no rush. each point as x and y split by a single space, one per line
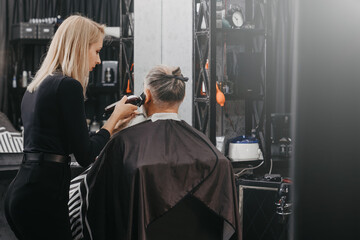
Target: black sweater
54 121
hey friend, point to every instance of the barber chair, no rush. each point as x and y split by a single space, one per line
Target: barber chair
190 219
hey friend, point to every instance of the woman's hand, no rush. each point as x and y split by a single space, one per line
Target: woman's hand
123 113
120 125
123 110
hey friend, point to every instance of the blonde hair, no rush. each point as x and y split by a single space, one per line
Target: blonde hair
68 51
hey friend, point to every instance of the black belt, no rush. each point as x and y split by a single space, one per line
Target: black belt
47 157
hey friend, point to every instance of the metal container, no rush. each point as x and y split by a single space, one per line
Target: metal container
45 31
24 31
244 149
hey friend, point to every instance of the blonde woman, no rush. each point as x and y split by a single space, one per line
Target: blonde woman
53 115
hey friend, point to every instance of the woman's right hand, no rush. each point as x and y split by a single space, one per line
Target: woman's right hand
123 111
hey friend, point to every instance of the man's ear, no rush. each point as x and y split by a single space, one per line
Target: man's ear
148 95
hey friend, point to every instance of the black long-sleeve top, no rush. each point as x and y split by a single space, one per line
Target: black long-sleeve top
54 121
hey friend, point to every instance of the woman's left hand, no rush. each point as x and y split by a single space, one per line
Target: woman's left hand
122 123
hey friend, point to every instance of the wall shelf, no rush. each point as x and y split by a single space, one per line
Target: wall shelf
27 54
210 44
30 41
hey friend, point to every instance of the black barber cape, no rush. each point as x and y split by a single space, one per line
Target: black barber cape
142 173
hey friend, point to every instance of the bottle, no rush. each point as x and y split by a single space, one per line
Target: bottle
24 79
14 82
108 75
207 73
128 88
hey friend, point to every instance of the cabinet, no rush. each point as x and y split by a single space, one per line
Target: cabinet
233 60
27 55
261 216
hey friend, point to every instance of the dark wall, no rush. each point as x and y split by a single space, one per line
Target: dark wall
14 11
327 112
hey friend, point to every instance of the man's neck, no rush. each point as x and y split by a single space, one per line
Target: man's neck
155 109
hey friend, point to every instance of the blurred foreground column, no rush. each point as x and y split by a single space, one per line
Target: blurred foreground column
326 104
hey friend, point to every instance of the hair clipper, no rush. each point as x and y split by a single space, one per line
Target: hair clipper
132 99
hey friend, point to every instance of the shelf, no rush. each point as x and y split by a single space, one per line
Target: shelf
202 32
234 31
111 42
202 99
277 159
251 97
238 36
127 39
108 41
30 41
258 182
241 31
245 164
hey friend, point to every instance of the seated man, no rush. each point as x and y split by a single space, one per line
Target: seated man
158 179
